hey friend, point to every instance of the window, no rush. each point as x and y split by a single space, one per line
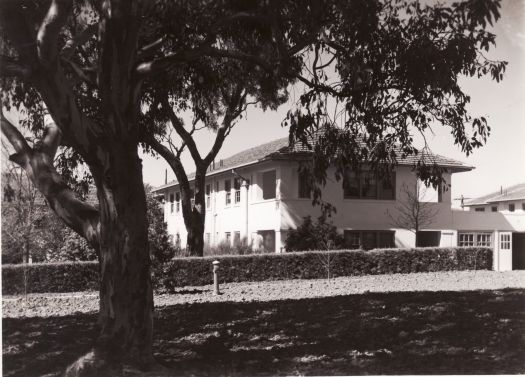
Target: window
207 239
228 238
512 207
237 188
227 189
504 243
177 240
269 178
208 196
466 239
172 199
305 189
475 239
369 239
483 239
366 185
236 238
479 209
177 201
494 208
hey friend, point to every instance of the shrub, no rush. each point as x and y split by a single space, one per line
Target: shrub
195 271
314 236
50 277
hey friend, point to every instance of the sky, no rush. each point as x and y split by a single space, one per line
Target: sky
501 162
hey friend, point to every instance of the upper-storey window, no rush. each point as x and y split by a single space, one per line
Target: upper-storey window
237 188
177 201
305 188
228 190
269 179
366 185
172 200
208 196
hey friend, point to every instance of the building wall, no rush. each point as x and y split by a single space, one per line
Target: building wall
359 214
261 214
253 214
502 207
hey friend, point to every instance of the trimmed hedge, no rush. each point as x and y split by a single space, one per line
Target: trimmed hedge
313 264
50 277
195 271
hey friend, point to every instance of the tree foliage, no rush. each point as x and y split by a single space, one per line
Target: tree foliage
310 235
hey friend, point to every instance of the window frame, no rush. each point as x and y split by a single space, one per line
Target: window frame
360 178
475 239
228 191
237 190
358 238
274 190
304 189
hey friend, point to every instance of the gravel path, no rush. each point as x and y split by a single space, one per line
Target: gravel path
59 304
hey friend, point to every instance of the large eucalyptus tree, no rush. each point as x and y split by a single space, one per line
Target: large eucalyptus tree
117 75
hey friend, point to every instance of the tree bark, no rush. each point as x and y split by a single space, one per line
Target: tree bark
195 221
126 295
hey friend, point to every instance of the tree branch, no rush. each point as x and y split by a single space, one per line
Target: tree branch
183 133
78 40
38 165
47 37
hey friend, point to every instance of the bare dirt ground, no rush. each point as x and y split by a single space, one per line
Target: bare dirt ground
58 304
448 323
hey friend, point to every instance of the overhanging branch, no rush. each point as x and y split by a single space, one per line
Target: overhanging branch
47 37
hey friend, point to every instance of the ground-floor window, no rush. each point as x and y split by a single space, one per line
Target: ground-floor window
474 239
228 237
369 239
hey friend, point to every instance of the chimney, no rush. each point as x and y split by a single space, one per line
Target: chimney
213 165
501 190
220 162
166 176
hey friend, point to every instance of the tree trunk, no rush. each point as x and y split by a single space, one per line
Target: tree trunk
126 297
196 221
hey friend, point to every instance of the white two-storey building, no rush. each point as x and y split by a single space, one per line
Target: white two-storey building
259 195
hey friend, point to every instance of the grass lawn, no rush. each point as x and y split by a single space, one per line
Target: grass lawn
378 333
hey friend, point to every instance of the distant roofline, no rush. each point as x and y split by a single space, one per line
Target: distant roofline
498 196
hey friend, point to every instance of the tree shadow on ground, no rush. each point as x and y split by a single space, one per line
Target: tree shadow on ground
378 333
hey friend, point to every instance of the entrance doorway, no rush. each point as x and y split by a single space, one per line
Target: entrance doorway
518 251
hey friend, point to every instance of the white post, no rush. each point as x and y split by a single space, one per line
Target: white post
215 264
